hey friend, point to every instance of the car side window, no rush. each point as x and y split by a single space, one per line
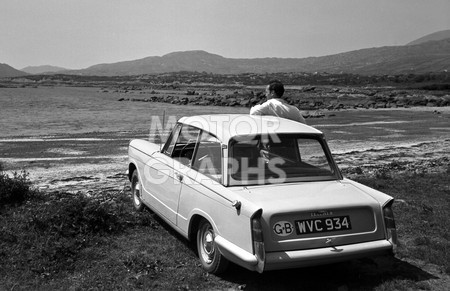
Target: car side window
184 147
208 158
170 144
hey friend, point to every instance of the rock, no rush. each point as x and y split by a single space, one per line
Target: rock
204 103
229 101
255 100
316 114
309 88
244 102
445 100
209 98
390 105
184 100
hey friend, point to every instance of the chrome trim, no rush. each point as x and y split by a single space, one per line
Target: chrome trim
228 249
300 258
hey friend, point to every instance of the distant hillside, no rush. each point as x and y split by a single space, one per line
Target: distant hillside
8 71
173 62
432 56
440 35
42 69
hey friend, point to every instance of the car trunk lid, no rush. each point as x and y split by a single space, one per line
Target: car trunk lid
311 215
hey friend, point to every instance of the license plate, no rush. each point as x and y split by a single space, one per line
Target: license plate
322 224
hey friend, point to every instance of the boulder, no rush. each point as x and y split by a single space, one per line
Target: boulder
190 92
204 103
445 100
254 100
316 114
244 102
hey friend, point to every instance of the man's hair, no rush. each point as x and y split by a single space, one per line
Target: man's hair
277 87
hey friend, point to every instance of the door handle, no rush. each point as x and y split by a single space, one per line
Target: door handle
179 177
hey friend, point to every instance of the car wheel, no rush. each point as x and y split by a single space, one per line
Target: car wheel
210 257
136 192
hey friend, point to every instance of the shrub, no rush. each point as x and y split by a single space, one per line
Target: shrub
69 215
16 189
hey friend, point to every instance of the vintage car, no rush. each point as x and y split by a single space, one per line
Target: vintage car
260 191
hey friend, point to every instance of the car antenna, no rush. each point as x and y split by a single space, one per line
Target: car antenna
163 121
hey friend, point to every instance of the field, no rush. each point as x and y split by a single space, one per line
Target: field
73 141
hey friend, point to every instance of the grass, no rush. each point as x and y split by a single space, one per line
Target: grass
422 213
60 241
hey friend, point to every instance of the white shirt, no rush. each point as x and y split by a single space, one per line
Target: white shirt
278 107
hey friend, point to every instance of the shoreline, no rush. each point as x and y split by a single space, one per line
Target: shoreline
362 141
326 113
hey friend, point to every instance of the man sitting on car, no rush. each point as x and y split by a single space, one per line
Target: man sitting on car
277 106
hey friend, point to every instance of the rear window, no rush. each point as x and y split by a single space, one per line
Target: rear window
284 158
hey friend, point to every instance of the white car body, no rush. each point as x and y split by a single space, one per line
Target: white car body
263 219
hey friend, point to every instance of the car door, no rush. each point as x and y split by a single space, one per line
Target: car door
204 175
203 193
163 175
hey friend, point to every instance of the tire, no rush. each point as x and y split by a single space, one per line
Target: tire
136 192
210 257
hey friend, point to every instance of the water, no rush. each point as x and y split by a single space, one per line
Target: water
63 135
71 110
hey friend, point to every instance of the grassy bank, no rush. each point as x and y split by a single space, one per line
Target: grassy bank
67 241
422 214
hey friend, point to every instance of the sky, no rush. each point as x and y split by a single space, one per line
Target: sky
76 34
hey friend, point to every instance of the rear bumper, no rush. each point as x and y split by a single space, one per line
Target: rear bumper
303 258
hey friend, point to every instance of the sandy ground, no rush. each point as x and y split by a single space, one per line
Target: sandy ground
70 163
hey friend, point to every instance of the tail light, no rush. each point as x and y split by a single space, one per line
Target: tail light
258 240
389 222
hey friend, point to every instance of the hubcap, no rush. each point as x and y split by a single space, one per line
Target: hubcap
208 245
137 194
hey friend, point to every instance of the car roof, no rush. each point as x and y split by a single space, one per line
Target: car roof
227 126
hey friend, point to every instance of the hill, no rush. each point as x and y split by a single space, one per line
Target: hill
431 56
43 69
440 35
8 71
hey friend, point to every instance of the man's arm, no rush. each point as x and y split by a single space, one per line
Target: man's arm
259 109
301 118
